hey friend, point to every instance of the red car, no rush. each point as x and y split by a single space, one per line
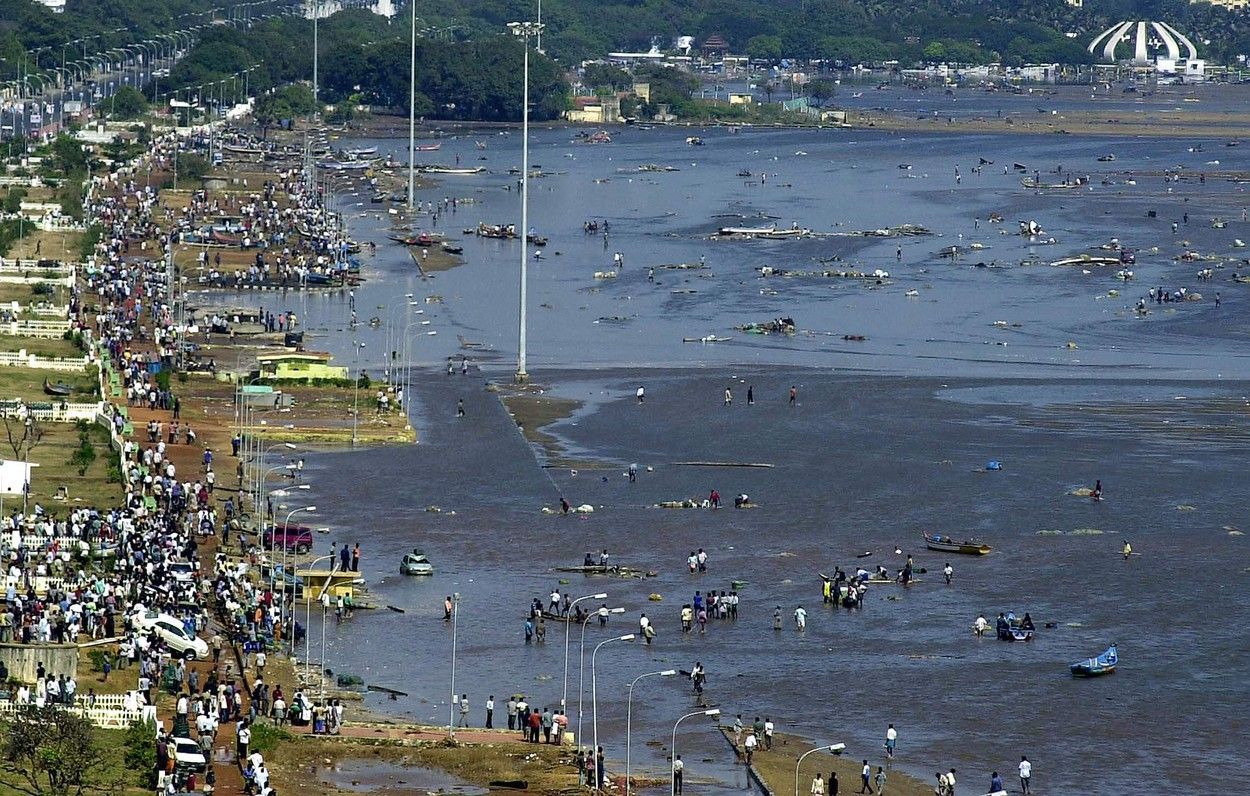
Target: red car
291 537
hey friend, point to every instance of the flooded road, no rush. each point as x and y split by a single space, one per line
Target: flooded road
889 437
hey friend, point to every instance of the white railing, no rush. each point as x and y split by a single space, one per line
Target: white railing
48 329
113 718
21 359
58 412
27 266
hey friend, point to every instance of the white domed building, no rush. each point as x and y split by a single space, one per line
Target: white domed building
1142 43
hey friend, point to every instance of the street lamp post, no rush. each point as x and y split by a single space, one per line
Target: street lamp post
412 109
564 699
594 696
672 778
308 617
285 546
833 748
451 704
581 665
629 716
524 30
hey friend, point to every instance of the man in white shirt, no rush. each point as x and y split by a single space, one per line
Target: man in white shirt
749 746
768 733
818 785
891 739
678 768
1026 772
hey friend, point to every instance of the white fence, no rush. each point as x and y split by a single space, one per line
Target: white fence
57 413
112 718
21 359
48 329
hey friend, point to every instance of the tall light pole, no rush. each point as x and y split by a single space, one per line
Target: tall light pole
832 748
581 666
451 703
524 30
316 6
629 715
285 547
672 778
594 696
564 699
308 616
412 109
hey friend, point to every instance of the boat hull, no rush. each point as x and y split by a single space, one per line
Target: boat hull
968 548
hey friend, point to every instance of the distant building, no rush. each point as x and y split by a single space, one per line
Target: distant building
642 91
715 46
57 6
298 365
1076 3
741 99
1227 3
595 110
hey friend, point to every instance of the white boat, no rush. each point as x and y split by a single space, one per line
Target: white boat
748 230
451 170
415 563
369 150
346 165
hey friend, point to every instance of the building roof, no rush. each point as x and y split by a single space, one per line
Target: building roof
288 356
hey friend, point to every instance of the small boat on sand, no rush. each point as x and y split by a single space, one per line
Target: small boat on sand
946 544
1096 667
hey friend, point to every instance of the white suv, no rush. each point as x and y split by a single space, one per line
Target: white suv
171 631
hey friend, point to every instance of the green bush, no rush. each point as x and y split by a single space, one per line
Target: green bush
266 737
141 753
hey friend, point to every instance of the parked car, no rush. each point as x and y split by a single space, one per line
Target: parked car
187 755
182 571
291 537
175 636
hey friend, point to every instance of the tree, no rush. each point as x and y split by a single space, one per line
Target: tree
68 155
935 51
764 48
52 753
127 103
821 91
23 433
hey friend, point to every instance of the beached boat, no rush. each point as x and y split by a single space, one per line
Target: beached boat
345 165
748 230
452 170
415 563
946 544
1096 667
59 388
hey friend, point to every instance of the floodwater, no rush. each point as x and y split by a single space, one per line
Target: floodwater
889 436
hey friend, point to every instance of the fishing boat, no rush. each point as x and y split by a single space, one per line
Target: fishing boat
429 147
461 171
948 545
415 563
770 229
59 388
450 249
1096 667
349 165
694 140
1011 628
536 240
368 150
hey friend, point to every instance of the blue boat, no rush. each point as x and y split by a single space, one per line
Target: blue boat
1096 667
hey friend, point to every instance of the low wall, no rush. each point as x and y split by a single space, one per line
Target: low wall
22 660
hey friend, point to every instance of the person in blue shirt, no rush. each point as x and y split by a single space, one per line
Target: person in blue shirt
996 783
